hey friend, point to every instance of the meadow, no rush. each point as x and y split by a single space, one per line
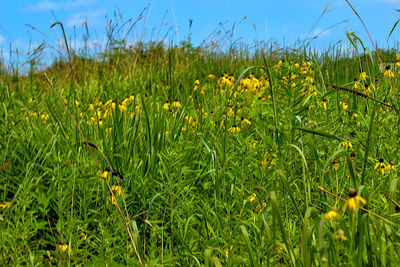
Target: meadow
174 155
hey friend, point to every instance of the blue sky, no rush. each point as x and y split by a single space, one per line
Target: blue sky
26 24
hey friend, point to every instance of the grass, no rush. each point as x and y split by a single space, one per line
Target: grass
180 155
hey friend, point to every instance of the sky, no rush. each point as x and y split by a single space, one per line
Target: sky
25 25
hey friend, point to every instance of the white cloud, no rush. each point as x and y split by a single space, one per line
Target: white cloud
79 18
48 5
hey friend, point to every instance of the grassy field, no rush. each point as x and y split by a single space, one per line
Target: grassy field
180 156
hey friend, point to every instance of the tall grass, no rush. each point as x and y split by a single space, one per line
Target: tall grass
165 154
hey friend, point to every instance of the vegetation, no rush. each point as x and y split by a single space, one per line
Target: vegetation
177 155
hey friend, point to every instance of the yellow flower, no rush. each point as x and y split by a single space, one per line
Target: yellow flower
77 103
340 235
63 247
252 197
388 72
84 236
344 105
245 122
346 145
380 166
105 174
336 164
117 189
269 159
354 201
333 214
211 76
121 107
6 205
398 56
166 105
176 104
323 104
357 85
363 76
391 167
260 207
234 129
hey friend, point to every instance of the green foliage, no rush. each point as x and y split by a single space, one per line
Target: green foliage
214 159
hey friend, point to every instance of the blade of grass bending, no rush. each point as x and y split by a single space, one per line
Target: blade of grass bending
249 248
273 99
394 26
367 145
324 134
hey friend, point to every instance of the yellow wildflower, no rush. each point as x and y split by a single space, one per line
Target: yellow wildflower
176 104
363 76
333 214
105 174
166 105
63 247
269 159
323 104
357 85
388 72
234 129
84 236
121 107
6 205
344 105
340 235
252 197
380 166
347 145
245 122
335 164
260 207
354 201
391 167
117 189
